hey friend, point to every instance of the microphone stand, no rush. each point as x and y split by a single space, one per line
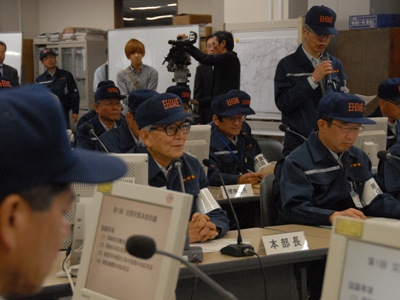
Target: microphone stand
89 130
193 253
239 249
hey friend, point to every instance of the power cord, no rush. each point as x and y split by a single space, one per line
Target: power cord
251 252
67 260
196 278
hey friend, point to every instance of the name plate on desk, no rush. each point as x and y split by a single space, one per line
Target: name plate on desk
283 243
236 191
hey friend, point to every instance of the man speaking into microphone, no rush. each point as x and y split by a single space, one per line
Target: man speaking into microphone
303 77
163 129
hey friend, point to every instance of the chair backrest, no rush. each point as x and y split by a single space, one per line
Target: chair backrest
268 208
271 148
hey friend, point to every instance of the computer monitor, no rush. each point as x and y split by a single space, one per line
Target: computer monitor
137 173
363 260
107 271
373 139
198 143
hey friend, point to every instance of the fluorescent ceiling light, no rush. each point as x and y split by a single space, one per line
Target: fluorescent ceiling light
145 8
129 19
158 17
172 4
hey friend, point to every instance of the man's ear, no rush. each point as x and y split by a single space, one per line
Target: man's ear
322 125
96 107
144 136
13 211
215 120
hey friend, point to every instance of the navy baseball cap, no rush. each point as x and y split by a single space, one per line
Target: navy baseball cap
245 99
183 91
345 107
107 91
137 97
390 89
104 82
45 52
165 108
321 20
228 104
36 149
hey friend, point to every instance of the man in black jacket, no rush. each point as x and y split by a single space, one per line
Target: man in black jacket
6 70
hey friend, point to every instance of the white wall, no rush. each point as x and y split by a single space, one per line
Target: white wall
203 7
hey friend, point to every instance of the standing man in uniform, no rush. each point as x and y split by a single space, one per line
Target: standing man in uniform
61 83
301 78
6 70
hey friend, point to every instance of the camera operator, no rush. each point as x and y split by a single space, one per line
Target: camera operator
226 75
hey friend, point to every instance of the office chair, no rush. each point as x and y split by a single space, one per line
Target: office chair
268 208
271 148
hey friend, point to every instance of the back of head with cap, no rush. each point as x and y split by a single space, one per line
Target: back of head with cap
163 109
321 19
390 89
229 104
183 91
36 150
137 97
345 107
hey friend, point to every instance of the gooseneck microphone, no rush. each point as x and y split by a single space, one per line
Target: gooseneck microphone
386 155
144 247
285 128
328 77
88 129
238 249
177 164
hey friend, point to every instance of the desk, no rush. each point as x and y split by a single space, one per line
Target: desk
247 209
242 276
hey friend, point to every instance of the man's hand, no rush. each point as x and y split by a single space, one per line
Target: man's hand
323 69
201 229
75 118
182 35
251 178
350 212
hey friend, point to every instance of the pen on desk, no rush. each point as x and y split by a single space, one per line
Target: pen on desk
250 171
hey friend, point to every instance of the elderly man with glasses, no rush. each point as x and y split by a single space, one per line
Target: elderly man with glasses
232 151
303 77
163 129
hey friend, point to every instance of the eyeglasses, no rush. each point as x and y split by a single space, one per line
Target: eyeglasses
348 129
322 37
110 104
172 129
232 119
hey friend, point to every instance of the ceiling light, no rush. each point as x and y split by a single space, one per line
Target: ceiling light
159 17
145 8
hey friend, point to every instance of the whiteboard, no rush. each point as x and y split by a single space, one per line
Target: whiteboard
259 53
13 40
155 40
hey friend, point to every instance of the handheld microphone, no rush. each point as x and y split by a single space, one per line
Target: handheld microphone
386 155
144 247
285 128
194 253
88 129
239 249
328 77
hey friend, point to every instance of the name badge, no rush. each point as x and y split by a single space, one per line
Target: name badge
236 191
283 243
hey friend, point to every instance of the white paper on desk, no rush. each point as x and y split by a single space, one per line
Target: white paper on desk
216 245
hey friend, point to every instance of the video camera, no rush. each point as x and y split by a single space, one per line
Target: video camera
178 59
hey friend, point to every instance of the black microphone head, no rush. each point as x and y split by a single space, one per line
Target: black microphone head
383 155
141 246
283 127
88 128
208 164
176 163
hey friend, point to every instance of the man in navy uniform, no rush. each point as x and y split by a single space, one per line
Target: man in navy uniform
231 150
108 108
61 83
126 136
301 77
163 129
389 106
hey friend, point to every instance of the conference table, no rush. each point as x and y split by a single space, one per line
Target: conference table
241 276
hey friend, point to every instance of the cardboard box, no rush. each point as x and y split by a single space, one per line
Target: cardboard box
374 21
185 19
205 31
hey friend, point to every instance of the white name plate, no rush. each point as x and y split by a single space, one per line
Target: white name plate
283 243
236 191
